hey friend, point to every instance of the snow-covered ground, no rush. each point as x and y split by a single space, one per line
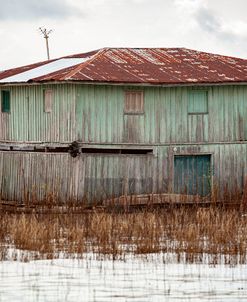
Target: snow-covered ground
135 279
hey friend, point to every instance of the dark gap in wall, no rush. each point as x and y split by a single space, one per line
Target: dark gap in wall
82 150
116 151
57 150
35 149
136 151
98 150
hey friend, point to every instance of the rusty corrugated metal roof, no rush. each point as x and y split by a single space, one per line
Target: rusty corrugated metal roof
144 65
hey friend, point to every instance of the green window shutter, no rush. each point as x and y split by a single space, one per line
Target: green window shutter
5 97
198 102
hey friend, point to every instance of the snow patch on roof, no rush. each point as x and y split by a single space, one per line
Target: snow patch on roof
44 70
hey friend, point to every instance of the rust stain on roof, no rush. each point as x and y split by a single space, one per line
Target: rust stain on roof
145 65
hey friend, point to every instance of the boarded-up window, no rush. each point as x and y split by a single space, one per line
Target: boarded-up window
198 102
5 101
134 103
48 96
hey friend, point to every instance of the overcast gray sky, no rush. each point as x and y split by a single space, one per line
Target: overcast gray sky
218 26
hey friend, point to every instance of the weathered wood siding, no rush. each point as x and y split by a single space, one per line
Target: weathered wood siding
95 177
91 113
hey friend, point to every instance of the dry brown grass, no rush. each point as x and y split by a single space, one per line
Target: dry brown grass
189 232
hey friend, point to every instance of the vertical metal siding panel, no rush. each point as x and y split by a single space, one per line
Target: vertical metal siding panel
184 116
233 100
155 123
205 127
197 127
93 122
222 129
159 117
149 111
81 179
102 115
165 112
120 131
100 130
162 170
244 109
241 112
80 120
236 99
33 114
173 121
227 113
114 119
151 122
5 126
212 115
163 121
23 105
178 115
107 122
88 114
63 118
191 127
52 120
111 111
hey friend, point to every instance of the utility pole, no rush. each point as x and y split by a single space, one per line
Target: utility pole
46 34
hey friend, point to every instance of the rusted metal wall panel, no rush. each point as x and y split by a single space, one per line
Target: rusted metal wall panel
94 177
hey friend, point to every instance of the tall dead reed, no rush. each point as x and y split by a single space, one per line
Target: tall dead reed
192 232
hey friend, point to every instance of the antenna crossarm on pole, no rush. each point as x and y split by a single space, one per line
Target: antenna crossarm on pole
46 34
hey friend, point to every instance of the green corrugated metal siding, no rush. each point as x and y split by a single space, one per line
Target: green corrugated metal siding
104 176
166 116
27 120
91 113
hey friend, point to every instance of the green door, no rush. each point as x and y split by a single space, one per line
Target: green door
192 174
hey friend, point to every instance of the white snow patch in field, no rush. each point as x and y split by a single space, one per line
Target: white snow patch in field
134 279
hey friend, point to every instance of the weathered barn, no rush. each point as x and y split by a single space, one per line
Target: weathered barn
124 121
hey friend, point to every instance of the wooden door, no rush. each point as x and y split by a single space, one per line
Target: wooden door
192 174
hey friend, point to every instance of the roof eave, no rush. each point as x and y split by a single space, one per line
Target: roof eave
143 84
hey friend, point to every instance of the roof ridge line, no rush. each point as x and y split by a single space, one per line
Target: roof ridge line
83 64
